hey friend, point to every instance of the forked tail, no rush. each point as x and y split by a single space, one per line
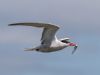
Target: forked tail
30 49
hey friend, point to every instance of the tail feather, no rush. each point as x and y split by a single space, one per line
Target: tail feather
30 49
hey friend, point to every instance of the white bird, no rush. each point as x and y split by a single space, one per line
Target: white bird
49 41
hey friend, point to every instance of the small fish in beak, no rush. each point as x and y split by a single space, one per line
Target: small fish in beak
75 48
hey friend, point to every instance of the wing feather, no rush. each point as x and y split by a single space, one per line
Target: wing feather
34 24
48 33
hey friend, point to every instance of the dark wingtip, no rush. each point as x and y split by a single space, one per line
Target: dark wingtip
11 24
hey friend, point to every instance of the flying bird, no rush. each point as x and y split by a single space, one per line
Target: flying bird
49 41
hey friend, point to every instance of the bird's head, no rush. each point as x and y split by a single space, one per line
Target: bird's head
73 45
70 44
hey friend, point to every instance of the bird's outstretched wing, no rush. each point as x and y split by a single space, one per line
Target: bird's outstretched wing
48 33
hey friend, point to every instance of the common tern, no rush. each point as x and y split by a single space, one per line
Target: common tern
49 41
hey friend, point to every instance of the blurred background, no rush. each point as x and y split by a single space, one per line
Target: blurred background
78 19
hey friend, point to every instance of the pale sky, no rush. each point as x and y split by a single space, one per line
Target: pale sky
78 19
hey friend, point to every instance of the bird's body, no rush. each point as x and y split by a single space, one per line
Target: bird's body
49 41
54 46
